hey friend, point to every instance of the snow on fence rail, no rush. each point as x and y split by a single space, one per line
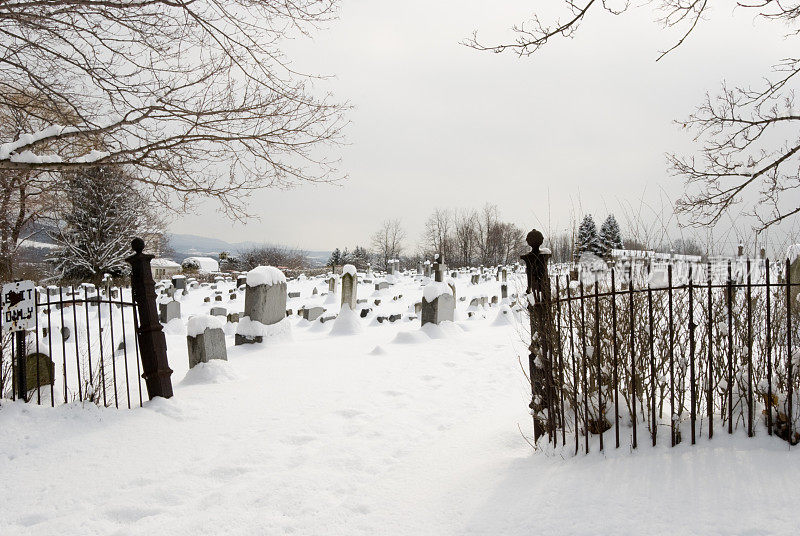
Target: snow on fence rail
668 356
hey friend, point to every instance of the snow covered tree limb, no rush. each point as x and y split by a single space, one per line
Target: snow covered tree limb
177 88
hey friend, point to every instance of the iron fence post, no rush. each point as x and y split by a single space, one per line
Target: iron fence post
152 343
539 359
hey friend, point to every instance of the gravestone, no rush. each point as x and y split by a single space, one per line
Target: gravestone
504 291
219 311
169 311
65 333
294 294
349 286
420 268
179 282
314 292
207 299
332 284
438 302
205 340
39 371
312 313
233 318
264 300
382 285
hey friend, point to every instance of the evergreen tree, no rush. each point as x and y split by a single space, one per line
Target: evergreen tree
335 259
588 240
102 212
610 236
360 257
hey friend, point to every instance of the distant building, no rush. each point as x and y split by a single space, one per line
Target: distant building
164 268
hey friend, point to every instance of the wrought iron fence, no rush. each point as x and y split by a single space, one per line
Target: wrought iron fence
84 348
666 351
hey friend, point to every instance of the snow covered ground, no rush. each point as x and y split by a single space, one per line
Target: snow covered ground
394 430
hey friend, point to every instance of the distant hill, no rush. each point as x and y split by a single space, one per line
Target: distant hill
188 245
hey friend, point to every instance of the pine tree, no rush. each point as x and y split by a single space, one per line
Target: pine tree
335 259
360 257
610 236
103 211
588 240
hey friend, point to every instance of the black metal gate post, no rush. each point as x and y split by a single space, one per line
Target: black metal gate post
540 358
22 368
152 343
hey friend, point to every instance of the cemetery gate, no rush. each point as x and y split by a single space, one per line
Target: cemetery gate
88 344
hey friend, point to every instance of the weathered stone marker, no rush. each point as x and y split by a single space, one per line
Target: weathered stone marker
205 339
169 311
349 286
39 371
312 313
438 302
264 303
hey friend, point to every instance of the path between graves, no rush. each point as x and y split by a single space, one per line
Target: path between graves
390 432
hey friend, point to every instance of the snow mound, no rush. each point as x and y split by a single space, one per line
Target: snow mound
378 350
349 269
173 327
411 337
265 275
435 289
199 323
433 331
503 317
347 323
254 328
215 371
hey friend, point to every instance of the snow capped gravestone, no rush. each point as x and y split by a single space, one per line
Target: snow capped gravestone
264 303
332 284
205 339
438 302
169 311
179 282
349 286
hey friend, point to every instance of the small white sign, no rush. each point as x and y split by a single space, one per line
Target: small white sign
18 306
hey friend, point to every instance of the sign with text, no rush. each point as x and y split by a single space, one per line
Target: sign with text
18 306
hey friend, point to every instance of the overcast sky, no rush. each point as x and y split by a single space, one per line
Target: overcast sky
582 126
